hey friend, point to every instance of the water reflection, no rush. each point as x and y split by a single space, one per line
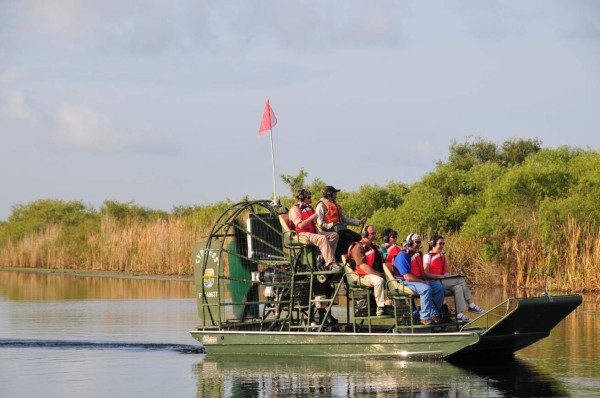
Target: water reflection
299 377
516 378
64 335
25 285
100 345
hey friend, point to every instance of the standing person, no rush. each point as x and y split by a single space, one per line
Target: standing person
304 218
435 265
369 264
409 263
330 218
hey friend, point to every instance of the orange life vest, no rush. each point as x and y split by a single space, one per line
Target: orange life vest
334 211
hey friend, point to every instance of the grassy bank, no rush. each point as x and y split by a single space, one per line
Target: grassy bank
163 247
160 247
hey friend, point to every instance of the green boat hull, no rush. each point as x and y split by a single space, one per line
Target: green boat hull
359 345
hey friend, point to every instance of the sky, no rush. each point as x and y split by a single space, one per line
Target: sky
159 102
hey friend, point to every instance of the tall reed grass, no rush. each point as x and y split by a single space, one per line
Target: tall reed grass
571 263
163 247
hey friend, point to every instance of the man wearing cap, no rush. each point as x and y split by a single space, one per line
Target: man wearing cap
409 263
330 218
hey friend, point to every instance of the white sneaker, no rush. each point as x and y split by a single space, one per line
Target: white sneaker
335 267
462 318
380 311
476 309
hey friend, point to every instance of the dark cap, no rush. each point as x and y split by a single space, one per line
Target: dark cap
329 190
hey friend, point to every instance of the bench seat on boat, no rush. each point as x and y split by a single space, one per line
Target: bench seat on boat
357 284
291 238
403 298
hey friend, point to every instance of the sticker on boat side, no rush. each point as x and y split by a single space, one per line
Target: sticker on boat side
209 340
209 278
212 253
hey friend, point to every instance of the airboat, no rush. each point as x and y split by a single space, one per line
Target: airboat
256 286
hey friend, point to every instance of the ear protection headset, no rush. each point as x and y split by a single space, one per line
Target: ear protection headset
365 231
409 241
433 240
386 234
302 194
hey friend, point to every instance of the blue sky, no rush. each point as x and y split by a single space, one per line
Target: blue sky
159 102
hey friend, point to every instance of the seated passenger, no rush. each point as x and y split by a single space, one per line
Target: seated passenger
331 219
368 263
304 218
409 263
390 247
435 264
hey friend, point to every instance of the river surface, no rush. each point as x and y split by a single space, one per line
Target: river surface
64 335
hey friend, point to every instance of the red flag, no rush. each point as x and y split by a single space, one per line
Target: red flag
268 120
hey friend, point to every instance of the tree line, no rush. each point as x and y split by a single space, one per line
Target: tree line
513 213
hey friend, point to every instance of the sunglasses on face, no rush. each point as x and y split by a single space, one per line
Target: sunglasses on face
309 197
418 242
372 233
441 243
393 237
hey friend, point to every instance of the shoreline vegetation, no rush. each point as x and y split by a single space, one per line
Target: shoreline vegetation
513 214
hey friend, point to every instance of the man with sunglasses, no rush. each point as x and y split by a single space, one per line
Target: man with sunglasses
368 264
409 263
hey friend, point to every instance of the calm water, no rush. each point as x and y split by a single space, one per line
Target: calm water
76 336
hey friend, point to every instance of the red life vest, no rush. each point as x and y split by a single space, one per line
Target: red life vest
334 211
437 265
371 255
392 252
416 265
305 212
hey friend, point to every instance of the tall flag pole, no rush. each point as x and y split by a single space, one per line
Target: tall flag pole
268 122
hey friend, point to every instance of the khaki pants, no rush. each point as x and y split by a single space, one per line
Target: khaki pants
378 288
326 243
458 286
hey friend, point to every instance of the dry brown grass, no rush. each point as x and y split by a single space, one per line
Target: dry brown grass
35 251
573 266
163 247
158 248
464 257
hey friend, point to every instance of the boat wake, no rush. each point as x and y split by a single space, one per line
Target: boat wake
100 345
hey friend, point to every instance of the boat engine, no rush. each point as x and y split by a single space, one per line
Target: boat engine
277 283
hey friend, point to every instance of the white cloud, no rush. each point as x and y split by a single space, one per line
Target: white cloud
85 128
421 147
13 106
9 76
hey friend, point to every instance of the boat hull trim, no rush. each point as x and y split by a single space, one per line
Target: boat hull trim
363 345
